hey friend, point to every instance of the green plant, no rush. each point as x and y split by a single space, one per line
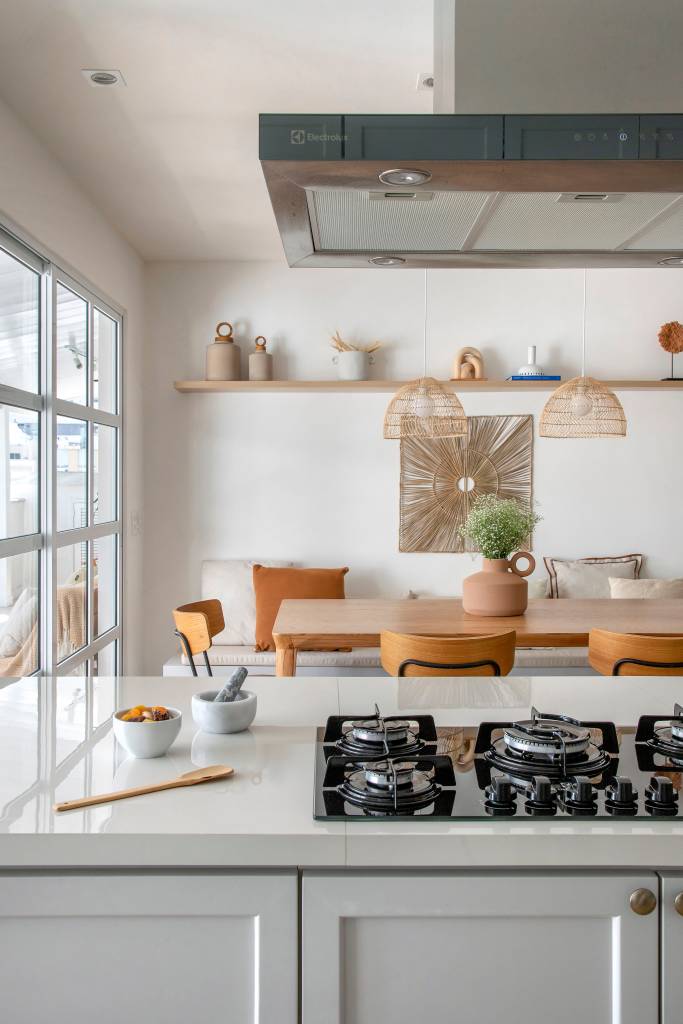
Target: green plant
498 526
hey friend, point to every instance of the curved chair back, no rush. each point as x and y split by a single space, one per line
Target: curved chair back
404 654
196 624
631 654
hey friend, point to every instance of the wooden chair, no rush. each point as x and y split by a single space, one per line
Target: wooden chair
630 654
404 654
195 626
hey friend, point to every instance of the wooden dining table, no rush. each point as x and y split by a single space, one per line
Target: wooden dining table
314 625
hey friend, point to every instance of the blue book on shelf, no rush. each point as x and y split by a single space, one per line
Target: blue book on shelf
540 376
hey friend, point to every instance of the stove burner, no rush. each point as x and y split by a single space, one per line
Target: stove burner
547 736
379 737
552 746
667 738
387 786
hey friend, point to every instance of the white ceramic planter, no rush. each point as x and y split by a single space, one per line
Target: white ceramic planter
353 365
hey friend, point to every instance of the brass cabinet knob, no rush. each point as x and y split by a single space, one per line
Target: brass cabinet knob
678 904
643 901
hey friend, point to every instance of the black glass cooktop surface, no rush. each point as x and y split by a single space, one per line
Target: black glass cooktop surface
549 765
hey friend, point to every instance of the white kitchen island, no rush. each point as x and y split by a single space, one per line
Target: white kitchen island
225 899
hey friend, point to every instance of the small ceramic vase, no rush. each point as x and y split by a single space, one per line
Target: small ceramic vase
223 356
531 369
260 361
499 589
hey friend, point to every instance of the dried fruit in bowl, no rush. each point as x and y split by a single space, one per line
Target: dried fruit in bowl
141 713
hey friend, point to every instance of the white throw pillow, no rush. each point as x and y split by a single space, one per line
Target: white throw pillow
20 622
589 579
538 588
231 581
645 588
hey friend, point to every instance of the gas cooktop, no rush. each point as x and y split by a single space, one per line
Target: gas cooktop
549 765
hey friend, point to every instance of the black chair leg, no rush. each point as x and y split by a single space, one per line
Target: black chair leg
207 663
186 646
487 663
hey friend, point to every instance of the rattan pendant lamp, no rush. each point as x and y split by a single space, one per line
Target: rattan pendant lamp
424 408
583 406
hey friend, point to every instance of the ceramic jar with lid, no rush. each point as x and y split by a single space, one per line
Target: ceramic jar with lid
260 361
223 356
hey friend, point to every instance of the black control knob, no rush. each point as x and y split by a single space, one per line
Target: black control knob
660 796
540 798
501 796
580 797
621 797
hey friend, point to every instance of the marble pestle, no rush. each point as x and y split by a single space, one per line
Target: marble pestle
232 687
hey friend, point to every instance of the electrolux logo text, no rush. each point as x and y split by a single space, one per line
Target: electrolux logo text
299 136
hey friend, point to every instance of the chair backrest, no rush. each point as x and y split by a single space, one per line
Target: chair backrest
404 654
632 654
199 622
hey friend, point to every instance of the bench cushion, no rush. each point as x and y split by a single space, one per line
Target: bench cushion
369 657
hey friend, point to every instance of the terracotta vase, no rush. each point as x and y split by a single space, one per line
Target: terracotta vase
499 589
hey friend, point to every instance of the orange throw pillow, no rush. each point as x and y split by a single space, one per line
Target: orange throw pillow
273 585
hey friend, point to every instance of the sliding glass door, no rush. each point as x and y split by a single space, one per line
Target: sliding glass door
60 471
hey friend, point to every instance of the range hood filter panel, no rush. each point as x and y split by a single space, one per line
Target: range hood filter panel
344 220
666 234
537 221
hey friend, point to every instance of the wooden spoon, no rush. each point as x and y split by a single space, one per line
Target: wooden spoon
210 774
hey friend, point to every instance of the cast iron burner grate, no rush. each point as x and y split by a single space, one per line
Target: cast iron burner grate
554 746
379 737
662 735
390 786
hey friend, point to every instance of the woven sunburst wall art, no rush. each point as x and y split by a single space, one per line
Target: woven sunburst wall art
440 477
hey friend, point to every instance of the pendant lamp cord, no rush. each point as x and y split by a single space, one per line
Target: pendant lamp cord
583 330
424 329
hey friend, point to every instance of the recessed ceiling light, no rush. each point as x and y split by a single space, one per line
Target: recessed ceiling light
672 261
404 176
386 261
103 76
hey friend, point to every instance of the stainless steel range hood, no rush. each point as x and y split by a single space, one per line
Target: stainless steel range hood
464 190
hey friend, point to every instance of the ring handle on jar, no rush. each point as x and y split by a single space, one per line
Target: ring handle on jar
530 568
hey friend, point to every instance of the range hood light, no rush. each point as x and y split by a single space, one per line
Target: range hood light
404 176
672 261
386 261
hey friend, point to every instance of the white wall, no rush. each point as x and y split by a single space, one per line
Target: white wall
308 477
39 197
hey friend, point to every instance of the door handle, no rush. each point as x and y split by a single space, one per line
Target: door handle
678 904
644 901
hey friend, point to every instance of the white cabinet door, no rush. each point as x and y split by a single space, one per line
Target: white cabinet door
177 949
519 949
672 948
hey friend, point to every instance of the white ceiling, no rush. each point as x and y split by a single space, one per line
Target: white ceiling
172 158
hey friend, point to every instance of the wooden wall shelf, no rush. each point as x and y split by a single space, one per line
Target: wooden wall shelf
201 387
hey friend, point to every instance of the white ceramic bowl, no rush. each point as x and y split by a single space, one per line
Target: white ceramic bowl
223 717
147 739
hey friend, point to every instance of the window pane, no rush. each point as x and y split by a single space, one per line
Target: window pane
72 599
19 603
104 458
19 324
72 469
19 449
104 361
72 346
79 670
105 584
104 664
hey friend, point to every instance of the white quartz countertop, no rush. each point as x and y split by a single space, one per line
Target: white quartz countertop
56 743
